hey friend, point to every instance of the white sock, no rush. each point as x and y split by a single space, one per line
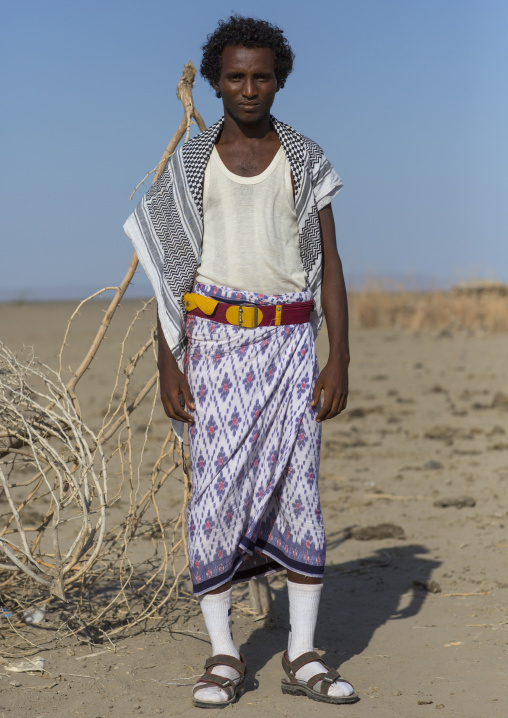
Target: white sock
303 612
216 609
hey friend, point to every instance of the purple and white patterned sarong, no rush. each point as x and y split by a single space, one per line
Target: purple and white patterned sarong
254 447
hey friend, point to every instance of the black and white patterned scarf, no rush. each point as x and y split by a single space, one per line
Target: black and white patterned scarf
166 228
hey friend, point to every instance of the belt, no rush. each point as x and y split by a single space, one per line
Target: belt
247 316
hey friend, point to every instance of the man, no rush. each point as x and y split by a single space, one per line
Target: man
246 204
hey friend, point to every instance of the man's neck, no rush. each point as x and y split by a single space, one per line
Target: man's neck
234 131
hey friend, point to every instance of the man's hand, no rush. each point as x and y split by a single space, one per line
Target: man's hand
175 389
333 380
175 393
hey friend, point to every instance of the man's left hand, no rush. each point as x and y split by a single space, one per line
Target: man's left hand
333 380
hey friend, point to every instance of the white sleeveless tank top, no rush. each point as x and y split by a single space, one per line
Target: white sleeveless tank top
251 238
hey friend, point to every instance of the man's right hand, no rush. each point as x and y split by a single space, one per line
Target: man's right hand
175 389
175 392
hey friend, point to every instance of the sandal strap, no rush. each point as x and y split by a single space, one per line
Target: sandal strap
290 667
221 659
315 679
225 683
328 679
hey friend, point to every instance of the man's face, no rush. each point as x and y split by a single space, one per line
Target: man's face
247 82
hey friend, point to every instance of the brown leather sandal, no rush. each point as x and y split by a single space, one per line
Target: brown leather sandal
299 688
232 689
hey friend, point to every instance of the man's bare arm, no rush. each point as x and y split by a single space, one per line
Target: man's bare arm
333 379
173 383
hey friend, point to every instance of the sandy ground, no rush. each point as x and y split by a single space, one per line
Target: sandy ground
426 423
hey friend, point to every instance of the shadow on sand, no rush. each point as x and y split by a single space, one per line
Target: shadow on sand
358 597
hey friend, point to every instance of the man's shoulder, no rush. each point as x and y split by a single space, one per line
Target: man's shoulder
201 142
312 147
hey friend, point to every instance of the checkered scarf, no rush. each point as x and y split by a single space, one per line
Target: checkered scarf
166 227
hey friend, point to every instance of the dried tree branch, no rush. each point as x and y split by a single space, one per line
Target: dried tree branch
120 291
183 93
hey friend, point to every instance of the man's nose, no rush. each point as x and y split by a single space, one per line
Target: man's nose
249 88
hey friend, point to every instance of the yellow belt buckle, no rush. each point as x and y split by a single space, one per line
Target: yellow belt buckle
278 314
247 317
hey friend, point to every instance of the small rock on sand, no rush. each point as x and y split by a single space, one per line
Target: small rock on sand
380 531
430 586
357 413
460 502
441 433
496 430
433 465
500 401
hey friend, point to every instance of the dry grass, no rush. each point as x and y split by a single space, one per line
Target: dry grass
449 310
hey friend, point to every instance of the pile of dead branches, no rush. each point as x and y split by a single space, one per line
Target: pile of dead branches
88 547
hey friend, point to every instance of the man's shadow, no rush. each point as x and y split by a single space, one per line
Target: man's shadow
358 597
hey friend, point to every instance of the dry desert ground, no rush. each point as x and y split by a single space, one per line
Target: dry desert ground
417 619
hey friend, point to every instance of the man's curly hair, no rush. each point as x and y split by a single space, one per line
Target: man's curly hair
248 32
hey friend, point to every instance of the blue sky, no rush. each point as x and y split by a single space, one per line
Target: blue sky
408 99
